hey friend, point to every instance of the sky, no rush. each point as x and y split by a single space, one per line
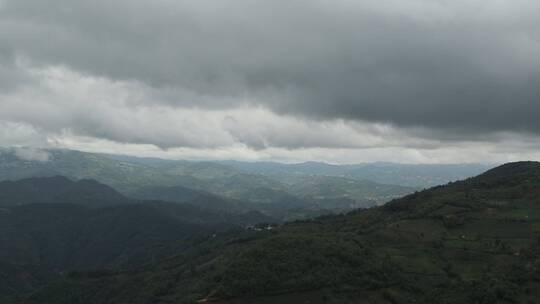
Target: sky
340 81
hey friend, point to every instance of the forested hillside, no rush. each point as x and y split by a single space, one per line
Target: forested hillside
50 226
473 241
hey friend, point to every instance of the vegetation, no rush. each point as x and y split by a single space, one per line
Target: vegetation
474 241
57 189
49 226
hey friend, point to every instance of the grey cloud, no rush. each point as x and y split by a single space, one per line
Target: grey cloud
459 68
20 134
11 76
32 154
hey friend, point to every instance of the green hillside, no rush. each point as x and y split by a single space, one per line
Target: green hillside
474 241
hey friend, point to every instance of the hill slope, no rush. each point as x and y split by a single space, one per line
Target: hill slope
58 189
52 225
474 241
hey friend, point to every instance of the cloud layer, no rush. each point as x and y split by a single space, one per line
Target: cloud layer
298 75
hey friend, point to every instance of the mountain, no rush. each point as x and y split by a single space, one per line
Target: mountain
122 176
409 175
276 169
472 241
58 189
286 197
183 194
52 225
285 208
130 177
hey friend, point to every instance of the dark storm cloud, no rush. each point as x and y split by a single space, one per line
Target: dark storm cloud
459 67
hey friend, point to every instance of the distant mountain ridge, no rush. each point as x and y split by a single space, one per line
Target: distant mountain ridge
284 196
411 175
58 189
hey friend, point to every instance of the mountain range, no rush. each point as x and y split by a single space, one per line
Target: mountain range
471 241
80 227
283 191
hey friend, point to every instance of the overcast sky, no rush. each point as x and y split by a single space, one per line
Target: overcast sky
418 81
